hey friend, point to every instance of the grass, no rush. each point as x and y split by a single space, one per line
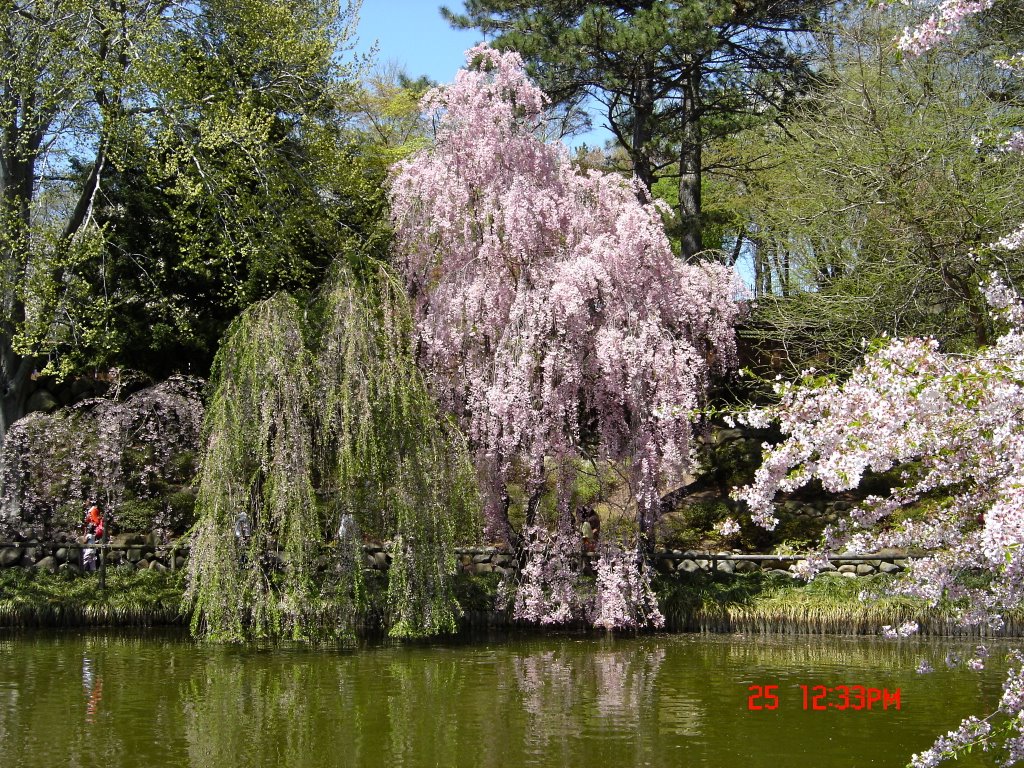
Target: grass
132 597
770 604
753 603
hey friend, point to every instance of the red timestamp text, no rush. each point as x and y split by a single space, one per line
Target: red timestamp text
820 698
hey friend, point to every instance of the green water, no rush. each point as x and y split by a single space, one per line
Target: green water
84 699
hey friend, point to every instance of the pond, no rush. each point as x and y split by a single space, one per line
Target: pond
110 699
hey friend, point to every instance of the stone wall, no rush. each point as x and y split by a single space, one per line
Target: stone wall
851 566
146 552
142 552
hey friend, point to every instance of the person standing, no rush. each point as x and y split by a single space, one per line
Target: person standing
89 553
93 515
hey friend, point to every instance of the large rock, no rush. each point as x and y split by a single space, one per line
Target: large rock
48 563
865 569
889 568
127 539
688 566
9 556
84 388
41 400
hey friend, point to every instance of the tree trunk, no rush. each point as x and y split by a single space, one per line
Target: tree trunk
643 114
690 161
15 374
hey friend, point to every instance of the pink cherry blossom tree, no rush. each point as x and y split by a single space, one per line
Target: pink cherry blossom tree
952 426
552 317
552 320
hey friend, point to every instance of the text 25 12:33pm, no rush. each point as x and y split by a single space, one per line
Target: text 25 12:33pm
820 698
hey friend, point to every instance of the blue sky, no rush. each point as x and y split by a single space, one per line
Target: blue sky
413 34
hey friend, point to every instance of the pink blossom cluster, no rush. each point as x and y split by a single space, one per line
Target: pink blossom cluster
941 25
951 426
624 598
548 588
551 313
970 732
550 592
1014 241
99 448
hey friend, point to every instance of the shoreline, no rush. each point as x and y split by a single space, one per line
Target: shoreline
716 603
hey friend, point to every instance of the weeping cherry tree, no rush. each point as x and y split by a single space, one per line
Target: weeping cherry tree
552 318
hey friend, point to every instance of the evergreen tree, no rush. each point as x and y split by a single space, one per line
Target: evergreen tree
670 76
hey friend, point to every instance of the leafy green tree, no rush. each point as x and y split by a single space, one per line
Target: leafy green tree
162 165
324 401
669 76
874 211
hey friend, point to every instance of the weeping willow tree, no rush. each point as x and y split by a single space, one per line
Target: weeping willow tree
314 432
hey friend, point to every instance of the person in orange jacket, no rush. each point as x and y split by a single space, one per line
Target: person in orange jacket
93 516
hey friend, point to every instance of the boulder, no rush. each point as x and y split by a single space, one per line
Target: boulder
726 566
688 566
9 556
41 400
48 563
142 564
82 388
157 566
889 568
127 539
865 569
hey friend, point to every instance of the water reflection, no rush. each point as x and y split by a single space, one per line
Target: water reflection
93 690
674 700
